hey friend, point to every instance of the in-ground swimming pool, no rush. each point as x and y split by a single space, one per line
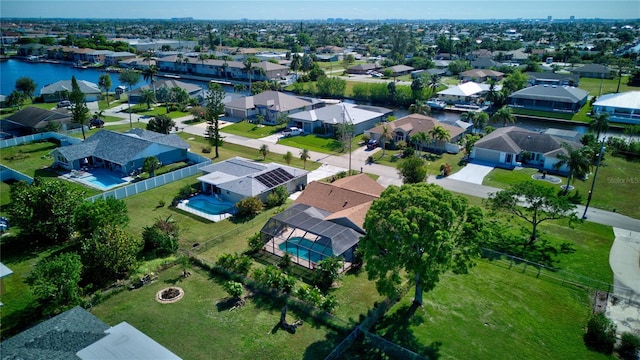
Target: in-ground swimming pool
298 246
211 205
102 180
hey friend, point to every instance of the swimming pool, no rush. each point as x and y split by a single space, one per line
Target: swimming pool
210 205
102 181
298 246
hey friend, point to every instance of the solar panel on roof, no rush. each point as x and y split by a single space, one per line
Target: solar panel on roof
274 177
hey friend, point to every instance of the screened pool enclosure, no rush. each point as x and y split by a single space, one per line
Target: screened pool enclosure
302 232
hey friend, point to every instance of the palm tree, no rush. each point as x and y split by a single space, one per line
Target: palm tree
149 74
304 156
225 66
438 134
434 82
577 161
296 63
130 78
104 83
264 151
288 157
384 136
248 68
504 116
599 123
468 116
420 108
481 119
419 140
148 97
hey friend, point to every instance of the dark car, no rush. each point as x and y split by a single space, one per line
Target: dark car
372 144
95 122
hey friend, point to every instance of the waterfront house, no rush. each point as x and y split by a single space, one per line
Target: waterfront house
193 90
597 71
480 75
121 152
270 104
60 91
326 119
549 98
550 78
621 107
465 93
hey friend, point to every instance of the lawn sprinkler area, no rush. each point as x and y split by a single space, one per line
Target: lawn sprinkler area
100 179
210 207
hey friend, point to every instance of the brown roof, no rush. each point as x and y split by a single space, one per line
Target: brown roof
416 123
361 183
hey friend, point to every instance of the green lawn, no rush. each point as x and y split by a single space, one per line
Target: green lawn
313 142
615 188
494 313
200 327
433 161
253 131
608 85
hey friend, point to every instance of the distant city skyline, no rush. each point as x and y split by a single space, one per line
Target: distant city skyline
320 10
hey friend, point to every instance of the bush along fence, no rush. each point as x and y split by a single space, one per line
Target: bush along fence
562 277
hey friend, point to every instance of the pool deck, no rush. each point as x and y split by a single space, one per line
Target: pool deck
79 176
182 205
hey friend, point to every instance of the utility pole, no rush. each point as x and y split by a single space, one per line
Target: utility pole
593 183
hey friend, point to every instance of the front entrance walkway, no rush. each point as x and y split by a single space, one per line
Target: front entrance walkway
472 173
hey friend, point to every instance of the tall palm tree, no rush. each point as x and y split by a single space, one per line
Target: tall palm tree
264 151
419 107
420 139
104 83
148 97
384 136
599 123
434 82
249 68
577 161
504 116
482 118
304 156
468 116
129 78
296 63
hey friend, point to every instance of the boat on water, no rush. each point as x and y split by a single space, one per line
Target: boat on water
436 104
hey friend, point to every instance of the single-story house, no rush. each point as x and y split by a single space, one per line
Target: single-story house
32 120
597 71
480 75
121 152
549 98
465 93
239 178
621 107
60 91
78 334
399 70
362 69
115 57
408 126
270 104
363 117
513 146
193 90
484 63
326 220
550 78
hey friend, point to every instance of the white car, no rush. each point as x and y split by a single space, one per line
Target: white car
293 131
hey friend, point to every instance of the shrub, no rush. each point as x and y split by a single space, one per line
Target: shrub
206 149
239 264
327 272
274 278
233 288
601 334
285 262
629 347
162 237
255 243
408 152
249 207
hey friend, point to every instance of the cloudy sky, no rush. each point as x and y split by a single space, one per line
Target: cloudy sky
314 9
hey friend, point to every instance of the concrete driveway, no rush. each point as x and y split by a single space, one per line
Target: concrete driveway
472 173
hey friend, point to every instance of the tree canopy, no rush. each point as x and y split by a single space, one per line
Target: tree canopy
422 230
91 216
55 282
109 254
413 170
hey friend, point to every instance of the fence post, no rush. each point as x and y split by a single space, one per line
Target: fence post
538 274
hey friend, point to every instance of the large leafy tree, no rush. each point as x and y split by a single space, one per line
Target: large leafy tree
104 83
44 210
161 124
79 110
162 237
515 81
577 161
413 170
129 78
215 107
532 202
55 280
91 216
420 230
26 86
109 254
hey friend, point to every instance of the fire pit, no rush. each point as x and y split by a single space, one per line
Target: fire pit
169 295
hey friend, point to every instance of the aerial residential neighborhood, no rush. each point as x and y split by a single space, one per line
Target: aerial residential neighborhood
383 182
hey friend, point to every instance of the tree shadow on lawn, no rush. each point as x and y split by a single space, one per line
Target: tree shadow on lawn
320 349
397 329
18 321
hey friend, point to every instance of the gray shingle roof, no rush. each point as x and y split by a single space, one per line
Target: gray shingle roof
33 117
62 85
515 140
58 338
565 94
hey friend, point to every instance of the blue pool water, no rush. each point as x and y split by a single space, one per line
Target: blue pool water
297 246
103 181
211 205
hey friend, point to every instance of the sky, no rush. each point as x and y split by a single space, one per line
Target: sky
314 9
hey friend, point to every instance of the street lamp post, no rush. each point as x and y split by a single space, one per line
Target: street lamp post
593 183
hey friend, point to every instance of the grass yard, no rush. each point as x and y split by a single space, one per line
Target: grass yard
253 131
433 161
200 327
313 142
494 313
608 85
615 188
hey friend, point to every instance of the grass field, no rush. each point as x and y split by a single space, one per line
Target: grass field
494 313
253 131
615 187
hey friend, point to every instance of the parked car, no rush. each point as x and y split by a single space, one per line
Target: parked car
64 104
292 131
95 122
372 144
